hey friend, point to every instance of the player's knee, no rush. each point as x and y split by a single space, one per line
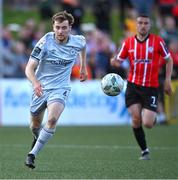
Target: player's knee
148 124
51 124
136 121
136 116
35 124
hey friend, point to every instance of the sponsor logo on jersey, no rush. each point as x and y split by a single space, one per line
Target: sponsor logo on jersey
61 62
142 61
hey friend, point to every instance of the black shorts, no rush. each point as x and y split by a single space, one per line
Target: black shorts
146 96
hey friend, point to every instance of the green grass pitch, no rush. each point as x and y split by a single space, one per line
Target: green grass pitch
90 153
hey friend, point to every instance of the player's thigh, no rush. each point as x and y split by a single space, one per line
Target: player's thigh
56 102
135 112
150 99
132 95
55 105
148 118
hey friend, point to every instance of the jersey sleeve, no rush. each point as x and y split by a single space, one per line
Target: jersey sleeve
163 50
38 51
82 41
123 52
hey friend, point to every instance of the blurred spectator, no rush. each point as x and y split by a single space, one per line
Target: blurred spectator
99 50
75 8
102 12
175 13
104 51
161 117
143 6
173 48
46 9
22 5
169 31
14 61
7 39
27 32
129 23
21 59
165 8
124 68
123 6
9 63
91 48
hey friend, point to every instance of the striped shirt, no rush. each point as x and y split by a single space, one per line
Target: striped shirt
144 59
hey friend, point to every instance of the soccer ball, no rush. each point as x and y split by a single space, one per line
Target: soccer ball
112 84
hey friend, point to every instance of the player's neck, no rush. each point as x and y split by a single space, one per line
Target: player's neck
142 37
62 41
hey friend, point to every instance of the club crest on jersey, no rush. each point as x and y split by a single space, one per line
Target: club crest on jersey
150 49
73 51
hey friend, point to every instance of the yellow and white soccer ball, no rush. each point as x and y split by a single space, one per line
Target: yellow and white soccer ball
112 84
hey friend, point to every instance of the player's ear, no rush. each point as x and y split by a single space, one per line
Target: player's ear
151 24
53 28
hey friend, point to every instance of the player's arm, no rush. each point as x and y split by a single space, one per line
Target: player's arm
120 57
167 84
83 66
164 52
115 62
30 73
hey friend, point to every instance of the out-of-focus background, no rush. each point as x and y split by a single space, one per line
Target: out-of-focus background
105 24
94 139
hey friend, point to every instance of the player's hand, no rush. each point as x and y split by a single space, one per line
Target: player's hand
83 74
38 88
168 87
114 62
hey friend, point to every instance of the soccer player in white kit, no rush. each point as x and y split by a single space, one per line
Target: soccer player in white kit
49 70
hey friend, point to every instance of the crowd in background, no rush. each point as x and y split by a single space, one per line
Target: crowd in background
100 46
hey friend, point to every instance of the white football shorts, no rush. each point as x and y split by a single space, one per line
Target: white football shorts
38 104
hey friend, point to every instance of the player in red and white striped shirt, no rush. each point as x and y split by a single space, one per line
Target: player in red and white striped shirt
143 52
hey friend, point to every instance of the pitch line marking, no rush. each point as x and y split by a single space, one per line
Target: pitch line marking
75 146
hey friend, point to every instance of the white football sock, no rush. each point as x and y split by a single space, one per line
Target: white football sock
44 136
145 151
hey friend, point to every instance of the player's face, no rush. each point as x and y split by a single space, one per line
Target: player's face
143 25
61 30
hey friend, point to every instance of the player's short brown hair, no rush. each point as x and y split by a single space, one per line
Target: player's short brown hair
62 16
143 15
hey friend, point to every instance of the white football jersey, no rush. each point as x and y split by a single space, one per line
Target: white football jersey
56 59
